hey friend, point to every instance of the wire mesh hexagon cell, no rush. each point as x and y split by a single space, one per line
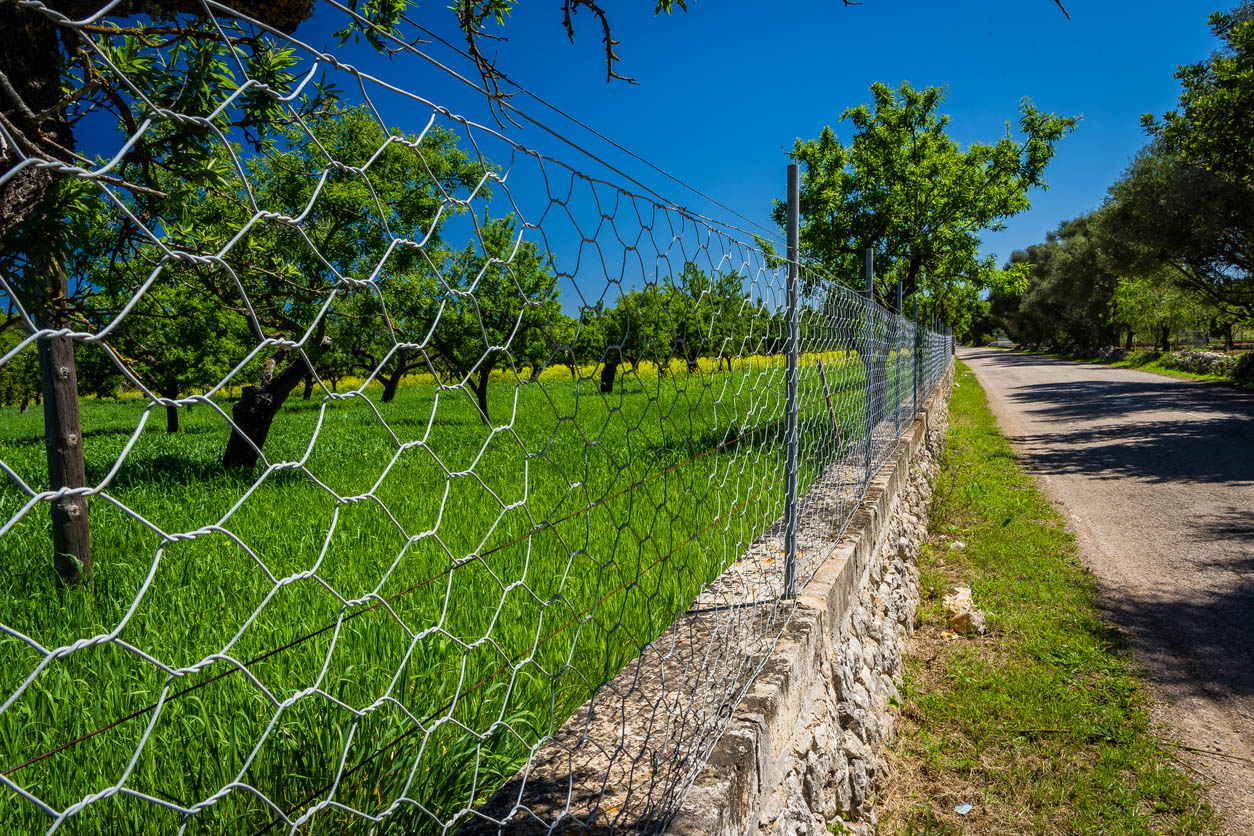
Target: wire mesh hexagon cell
466 450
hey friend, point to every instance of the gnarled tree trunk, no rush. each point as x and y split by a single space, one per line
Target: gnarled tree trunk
254 412
608 372
481 393
390 385
171 392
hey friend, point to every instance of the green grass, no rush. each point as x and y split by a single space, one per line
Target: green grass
520 568
1043 724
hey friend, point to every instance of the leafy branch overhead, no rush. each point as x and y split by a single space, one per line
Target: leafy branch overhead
1211 128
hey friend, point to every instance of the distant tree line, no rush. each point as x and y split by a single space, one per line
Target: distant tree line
457 313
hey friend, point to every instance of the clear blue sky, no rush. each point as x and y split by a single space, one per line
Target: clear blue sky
726 87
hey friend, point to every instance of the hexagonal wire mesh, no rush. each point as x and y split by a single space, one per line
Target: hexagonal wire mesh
518 550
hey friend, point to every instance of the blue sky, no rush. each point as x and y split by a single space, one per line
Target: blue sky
726 87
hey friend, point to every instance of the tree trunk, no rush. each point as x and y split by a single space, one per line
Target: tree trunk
1228 341
25 407
309 387
171 412
29 63
1129 345
390 385
63 439
254 412
1165 336
608 373
481 393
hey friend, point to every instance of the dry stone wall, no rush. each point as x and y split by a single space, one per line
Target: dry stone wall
803 750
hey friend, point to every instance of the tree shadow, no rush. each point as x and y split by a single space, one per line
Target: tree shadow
1094 400
690 446
1233 524
1214 451
1160 432
173 470
1197 642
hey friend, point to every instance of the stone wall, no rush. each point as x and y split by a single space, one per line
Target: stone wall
802 750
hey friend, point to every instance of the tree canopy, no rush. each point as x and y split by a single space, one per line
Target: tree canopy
1171 247
1067 298
1165 213
903 187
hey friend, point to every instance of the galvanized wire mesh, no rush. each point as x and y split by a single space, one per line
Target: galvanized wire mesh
535 485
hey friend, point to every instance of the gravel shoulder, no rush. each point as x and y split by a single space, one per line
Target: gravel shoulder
1155 477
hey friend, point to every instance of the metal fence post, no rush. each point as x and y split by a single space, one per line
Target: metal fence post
791 500
918 343
897 320
869 356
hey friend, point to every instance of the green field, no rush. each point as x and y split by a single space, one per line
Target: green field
465 589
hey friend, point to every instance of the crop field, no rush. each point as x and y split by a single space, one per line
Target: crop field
439 594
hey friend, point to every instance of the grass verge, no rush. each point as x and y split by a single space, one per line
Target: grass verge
1042 724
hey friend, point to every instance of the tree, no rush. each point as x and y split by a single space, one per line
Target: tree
53 79
588 344
492 299
1156 304
903 187
173 340
641 326
1066 301
183 329
708 309
1214 125
1165 213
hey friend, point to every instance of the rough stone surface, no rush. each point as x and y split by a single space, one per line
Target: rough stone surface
812 726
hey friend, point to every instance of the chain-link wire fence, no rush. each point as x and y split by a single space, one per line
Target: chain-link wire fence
465 450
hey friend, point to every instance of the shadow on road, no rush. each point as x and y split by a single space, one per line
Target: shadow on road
1196 643
1216 450
1156 431
1094 399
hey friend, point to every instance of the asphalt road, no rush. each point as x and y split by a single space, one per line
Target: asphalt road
1156 478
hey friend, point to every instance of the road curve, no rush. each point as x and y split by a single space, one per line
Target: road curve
1156 478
